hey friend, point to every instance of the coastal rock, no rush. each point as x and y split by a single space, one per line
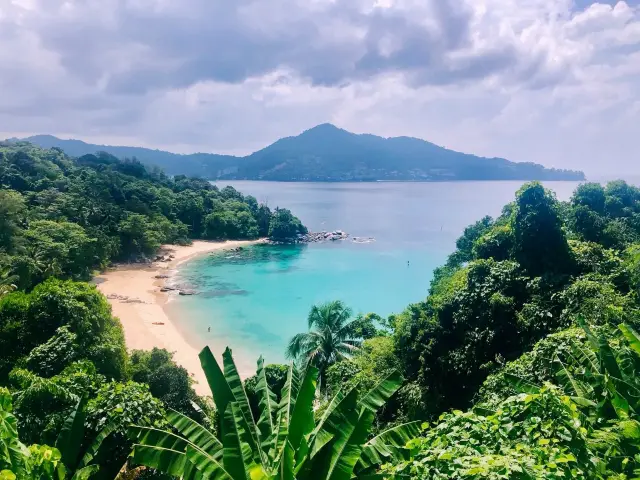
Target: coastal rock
187 292
313 237
162 275
168 289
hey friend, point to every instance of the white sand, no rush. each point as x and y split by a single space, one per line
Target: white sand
135 297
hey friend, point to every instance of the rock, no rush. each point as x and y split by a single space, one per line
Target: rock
162 275
167 289
187 292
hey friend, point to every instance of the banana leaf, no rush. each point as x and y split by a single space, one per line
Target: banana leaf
389 445
71 435
167 461
85 473
220 389
200 465
240 399
334 416
195 433
93 449
338 459
236 453
632 337
285 409
267 403
520 384
378 395
566 379
157 438
302 417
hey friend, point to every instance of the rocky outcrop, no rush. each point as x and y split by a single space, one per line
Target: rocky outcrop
313 237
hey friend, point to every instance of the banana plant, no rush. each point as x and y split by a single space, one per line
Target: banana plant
596 376
17 462
285 442
69 443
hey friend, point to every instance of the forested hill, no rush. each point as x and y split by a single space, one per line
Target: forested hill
328 153
65 217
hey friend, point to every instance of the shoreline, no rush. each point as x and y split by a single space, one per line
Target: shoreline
133 291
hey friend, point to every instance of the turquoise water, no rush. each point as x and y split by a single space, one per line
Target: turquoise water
256 299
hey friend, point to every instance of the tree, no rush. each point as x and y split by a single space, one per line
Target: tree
284 441
119 405
62 244
284 227
17 462
12 210
138 236
168 382
29 320
464 244
540 243
330 338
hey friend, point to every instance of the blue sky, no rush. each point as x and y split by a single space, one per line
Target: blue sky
550 81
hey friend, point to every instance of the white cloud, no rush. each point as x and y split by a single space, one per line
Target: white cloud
550 81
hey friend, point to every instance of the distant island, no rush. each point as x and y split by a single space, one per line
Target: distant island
327 153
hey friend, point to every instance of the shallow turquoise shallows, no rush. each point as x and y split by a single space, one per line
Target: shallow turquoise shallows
256 299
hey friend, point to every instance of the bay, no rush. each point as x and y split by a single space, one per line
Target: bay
256 299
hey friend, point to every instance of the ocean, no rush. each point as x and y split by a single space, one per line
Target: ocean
256 299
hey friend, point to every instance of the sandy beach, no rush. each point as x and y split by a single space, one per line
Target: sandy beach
135 297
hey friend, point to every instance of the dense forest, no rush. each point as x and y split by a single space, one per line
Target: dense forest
521 362
63 217
328 153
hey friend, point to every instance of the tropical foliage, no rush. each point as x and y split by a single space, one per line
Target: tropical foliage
331 337
283 441
64 461
63 217
521 362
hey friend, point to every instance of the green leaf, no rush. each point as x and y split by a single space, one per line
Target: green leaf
85 473
285 409
334 416
71 435
608 358
241 400
220 389
167 461
521 385
632 337
157 438
389 445
205 466
6 402
267 402
378 395
346 447
93 449
302 416
567 380
236 453
195 433
286 466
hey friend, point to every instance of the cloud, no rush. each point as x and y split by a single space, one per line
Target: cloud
552 81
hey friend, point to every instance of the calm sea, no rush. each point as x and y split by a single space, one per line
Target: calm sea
256 299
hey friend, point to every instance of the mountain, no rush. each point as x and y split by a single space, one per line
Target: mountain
329 153
208 165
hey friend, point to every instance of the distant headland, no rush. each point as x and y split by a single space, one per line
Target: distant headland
327 153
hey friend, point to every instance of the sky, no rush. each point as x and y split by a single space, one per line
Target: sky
556 82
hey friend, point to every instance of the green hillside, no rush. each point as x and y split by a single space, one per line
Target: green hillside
328 153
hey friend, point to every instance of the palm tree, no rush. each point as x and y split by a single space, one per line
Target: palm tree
330 338
7 280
